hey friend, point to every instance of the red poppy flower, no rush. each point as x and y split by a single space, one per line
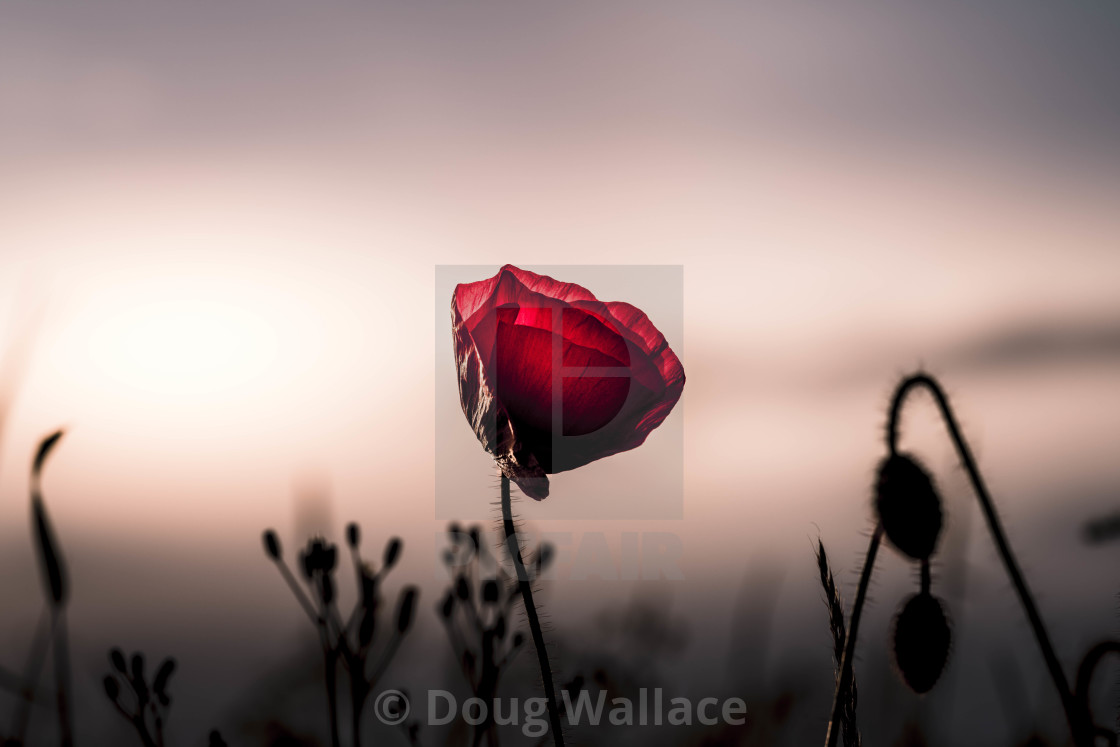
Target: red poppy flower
551 378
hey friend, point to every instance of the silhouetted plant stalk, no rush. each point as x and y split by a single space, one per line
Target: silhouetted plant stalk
476 610
850 696
909 513
144 706
53 569
525 586
349 642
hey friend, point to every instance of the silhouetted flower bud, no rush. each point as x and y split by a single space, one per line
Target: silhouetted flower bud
518 639
116 656
490 591
272 545
447 606
908 506
454 532
404 611
392 552
920 639
353 535
462 588
112 688
159 684
475 538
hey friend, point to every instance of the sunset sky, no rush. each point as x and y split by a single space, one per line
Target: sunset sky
220 228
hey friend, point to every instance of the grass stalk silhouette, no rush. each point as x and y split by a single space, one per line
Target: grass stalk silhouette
525 586
53 568
849 698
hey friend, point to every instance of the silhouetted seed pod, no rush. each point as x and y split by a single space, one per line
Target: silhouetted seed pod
330 558
454 532
159 684
404 611
462 588
139 683
518 639
920 642
908 506
447 606
112 688
353 535
392 552
116 656
271 545
490 591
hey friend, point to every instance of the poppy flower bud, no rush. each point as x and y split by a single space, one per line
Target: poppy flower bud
392 552
404 611
920 642
271 545
112 687
490 591
908 506
353 535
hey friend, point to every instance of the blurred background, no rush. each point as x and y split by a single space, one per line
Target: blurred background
219 228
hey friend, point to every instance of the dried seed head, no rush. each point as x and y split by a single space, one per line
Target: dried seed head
353 535
908 506
920 642
271 544
392 552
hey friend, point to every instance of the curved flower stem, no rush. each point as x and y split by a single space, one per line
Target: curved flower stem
525 586
995 528
842 682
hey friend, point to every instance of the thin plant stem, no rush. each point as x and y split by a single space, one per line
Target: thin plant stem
61 656
525 586
31 671
1080 736
850 643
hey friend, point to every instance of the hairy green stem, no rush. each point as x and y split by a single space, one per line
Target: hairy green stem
525 586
